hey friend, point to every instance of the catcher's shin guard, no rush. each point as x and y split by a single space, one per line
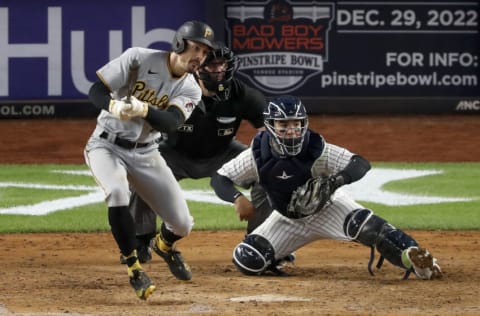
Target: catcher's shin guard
254 255
370 230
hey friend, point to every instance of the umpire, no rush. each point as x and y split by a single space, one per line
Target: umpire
207 138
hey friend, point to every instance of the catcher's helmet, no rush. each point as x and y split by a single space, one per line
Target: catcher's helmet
286 108
195 31
220 85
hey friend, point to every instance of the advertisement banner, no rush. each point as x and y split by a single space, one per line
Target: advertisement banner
51 49
340 56
367 54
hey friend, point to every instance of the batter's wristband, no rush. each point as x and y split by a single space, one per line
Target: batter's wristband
236 195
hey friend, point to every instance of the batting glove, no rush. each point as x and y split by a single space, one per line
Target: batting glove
118 108
137 108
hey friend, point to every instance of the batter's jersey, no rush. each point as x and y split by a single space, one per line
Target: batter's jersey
155 85
243 169
213 124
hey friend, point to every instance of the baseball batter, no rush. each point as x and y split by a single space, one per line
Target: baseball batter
302 174
122 150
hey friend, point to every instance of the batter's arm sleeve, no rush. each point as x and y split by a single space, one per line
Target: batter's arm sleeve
166 121
99 95
224 188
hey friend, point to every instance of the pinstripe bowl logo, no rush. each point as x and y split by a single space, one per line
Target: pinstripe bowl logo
280 45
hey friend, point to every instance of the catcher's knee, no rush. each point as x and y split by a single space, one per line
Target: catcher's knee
363 226
254 255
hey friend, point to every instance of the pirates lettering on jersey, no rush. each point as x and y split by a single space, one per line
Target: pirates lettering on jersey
149 95
281 176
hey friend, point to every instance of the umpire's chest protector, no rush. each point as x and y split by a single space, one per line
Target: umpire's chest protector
280 176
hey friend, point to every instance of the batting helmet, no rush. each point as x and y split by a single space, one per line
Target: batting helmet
286 108
220 85
195 31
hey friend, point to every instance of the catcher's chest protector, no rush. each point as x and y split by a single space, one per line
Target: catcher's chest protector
281 176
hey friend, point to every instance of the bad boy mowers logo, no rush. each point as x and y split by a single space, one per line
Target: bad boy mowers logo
280 45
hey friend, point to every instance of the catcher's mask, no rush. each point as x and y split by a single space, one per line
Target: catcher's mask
195 31
292 123
217 71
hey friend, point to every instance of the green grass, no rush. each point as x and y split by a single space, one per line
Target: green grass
20 196
441 216
458 180
85 219
43 174
215 217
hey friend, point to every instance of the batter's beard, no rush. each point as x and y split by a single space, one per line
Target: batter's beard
192 68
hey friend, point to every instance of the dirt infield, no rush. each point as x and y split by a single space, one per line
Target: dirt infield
79 274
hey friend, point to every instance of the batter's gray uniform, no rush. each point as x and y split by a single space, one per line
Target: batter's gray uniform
123 152
141 93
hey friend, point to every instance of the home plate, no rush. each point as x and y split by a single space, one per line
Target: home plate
269 298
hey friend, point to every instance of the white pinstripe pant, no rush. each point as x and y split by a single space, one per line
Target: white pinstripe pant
288 234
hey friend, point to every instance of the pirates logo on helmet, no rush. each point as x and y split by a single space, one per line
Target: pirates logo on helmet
195 31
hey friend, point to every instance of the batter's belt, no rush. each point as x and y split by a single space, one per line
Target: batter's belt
124 143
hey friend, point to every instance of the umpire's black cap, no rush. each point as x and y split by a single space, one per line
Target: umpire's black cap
195 31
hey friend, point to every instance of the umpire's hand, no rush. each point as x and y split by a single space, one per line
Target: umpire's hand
244 208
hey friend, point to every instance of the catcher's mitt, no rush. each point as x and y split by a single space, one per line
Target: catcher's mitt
311 197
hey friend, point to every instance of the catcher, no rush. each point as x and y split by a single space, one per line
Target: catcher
301 174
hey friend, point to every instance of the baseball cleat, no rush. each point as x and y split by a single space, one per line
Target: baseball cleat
288 259
144 254
141 283
173 258
423 264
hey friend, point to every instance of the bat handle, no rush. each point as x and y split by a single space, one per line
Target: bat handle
132 78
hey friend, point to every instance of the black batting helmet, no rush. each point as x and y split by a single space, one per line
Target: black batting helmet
195 31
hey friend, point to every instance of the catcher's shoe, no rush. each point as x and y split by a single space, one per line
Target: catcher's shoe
423 264
173 258
141 283
288 259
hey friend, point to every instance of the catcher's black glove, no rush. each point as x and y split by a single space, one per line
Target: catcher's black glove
312 196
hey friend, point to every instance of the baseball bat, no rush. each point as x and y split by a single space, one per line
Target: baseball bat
132 78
